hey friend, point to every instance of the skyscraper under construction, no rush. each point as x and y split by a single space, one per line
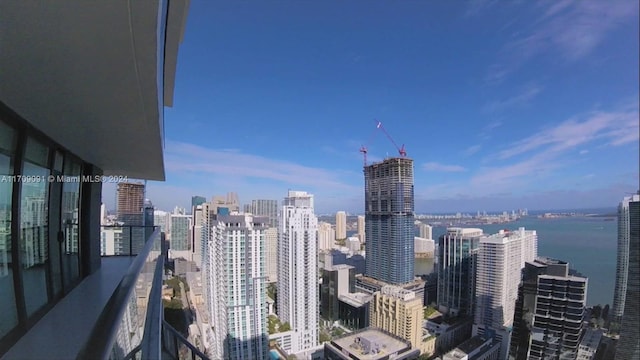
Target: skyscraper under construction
389 217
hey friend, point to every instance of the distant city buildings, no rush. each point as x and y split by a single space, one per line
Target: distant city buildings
426 231
297 270
629 343
268 208
180 234
341 225
326 236
501 258
389 207
361 229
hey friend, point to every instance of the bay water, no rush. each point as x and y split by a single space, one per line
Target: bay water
588 244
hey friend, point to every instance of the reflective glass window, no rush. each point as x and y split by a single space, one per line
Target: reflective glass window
8 309
34 206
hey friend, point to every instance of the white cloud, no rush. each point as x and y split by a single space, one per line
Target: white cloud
615 128
437 167
572 29
472 150
584 152
521 99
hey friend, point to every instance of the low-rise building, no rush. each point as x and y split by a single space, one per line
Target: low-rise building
369 344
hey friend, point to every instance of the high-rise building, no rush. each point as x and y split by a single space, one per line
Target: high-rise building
130 199
389 220
622 266
297 269
399 312
629 343
180 233
456 264
130 212
550 312
271 253
501 258
268 208
361 232
326 236
426 231
235 286
341 225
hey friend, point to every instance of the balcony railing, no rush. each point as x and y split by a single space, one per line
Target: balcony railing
125 240
131 325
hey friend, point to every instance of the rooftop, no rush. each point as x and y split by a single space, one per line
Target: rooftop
370 344
355 299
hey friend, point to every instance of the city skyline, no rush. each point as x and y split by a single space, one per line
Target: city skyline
543 108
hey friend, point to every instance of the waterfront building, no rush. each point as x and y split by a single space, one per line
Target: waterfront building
426 231
629 343
297 270
456 264
501 258
549 315
389 217
622 264
341 225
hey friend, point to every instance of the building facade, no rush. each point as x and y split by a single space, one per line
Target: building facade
268 208
389 217
456 264
180 233
341 225
235 287
622 264
550 312
297 269
399 312
501 258
629 343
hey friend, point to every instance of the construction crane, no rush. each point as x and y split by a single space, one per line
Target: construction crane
364 150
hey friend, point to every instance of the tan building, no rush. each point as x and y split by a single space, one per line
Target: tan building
399 311
341 225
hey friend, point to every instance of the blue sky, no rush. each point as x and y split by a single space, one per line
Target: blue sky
502 105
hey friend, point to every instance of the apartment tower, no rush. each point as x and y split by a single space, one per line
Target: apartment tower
501 258
235 286
622 266
549 312
629 343
297 270
389 218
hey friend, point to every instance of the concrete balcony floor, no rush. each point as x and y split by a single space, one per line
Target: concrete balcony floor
63 331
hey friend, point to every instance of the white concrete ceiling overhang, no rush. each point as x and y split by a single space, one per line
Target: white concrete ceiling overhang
85 73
